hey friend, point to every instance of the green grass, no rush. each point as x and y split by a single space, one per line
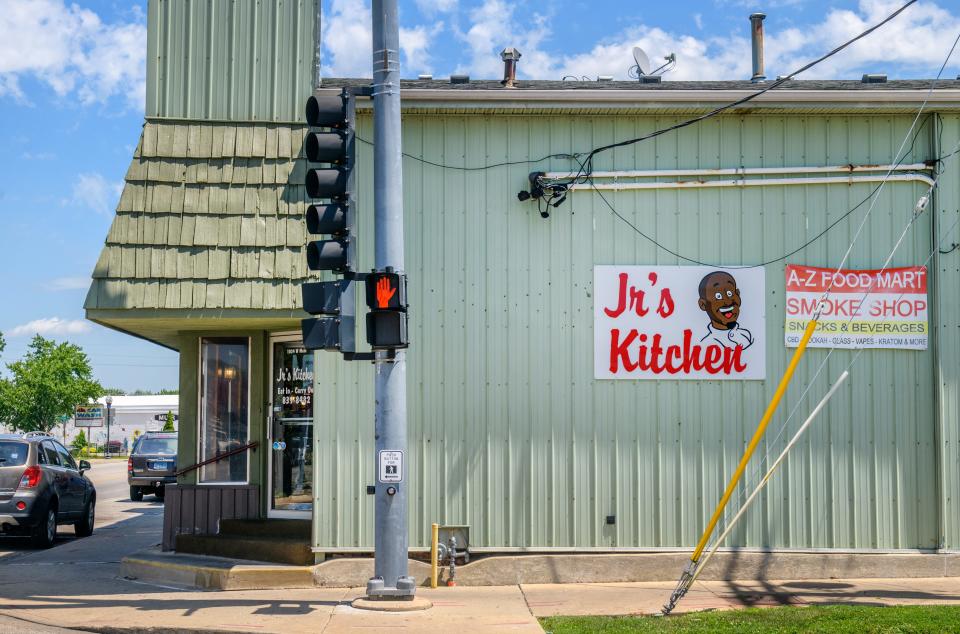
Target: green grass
833 618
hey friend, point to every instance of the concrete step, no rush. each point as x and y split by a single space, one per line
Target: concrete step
280 550
271 529
213 573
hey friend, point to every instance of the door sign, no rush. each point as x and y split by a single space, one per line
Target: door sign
390 466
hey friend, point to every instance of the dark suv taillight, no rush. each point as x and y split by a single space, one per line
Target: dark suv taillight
30 477
129 465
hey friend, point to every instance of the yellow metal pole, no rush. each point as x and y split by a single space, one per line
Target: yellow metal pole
434 540
757 435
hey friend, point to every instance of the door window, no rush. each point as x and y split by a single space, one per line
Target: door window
224 407
65 458
50 452
292 451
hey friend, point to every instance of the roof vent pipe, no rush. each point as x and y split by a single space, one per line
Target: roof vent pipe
756 32
510 57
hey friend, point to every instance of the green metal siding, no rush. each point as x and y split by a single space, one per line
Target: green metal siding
249 60
510 433
947 309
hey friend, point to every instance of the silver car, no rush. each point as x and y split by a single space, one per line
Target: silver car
41 487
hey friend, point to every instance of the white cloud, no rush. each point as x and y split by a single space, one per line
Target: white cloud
436 6
348 42
71 50
914 42
51 326
93 191
69 283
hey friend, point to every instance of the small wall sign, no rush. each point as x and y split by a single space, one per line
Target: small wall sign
390 466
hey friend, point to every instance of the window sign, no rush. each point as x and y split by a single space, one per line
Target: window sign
293 382
679 322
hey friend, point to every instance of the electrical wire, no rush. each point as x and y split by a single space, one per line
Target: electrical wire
586 165
720 109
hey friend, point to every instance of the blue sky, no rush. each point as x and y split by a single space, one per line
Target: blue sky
71 106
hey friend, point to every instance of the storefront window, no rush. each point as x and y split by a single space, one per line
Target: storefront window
224 407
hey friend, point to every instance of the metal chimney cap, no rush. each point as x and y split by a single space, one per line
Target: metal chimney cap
758 16
510 54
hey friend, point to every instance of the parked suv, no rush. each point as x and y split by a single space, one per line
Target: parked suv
152 464
42 486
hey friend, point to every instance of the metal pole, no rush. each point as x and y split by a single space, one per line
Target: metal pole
106 450
390 388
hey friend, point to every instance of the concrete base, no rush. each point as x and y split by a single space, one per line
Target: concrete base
392 605
216 573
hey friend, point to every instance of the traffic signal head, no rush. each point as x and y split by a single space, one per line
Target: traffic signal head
328 255
327 111
333 145
330 219
326 147
387 329
386 291
327 183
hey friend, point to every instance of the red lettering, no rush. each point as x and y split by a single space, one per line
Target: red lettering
674 359
619 352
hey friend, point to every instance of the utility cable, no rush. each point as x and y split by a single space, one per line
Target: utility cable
720 109
783 454
694 567
692 570
586 165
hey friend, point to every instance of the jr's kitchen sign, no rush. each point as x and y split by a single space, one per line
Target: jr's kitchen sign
865 309
678 322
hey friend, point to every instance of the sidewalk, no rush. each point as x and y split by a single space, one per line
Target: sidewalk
142 607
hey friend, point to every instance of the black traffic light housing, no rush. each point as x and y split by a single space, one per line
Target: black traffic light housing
333 145
387 301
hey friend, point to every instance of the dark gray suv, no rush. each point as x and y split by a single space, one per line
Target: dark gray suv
41 486
152 464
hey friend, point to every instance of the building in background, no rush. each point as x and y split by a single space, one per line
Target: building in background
131 416
513 429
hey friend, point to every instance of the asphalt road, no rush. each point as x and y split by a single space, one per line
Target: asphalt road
121 527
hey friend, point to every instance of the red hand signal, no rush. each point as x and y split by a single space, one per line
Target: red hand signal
384 292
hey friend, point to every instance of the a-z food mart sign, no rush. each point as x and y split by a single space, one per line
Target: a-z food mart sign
678 322
864 309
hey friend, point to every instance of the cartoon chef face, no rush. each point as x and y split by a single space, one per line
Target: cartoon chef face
720 299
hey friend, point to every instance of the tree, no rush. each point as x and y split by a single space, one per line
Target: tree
79 443
113 391
168 426
3 344
49 382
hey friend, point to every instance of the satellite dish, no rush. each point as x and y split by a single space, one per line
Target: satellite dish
643 62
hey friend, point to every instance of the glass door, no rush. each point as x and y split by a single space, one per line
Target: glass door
291 426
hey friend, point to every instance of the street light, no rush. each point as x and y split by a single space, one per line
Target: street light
109 402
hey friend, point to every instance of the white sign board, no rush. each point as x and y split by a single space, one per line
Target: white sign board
88 416
679 322
864 309
390 466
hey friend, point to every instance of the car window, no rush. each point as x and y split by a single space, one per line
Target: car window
50 452
13 453
157 446
65 458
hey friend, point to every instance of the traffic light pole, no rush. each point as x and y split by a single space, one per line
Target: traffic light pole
391 579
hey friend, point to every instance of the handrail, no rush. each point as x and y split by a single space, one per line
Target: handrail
219 457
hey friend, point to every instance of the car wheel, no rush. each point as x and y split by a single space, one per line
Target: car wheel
136 494
46 531
84 528
159 492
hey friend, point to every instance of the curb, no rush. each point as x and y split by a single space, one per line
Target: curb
214 574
